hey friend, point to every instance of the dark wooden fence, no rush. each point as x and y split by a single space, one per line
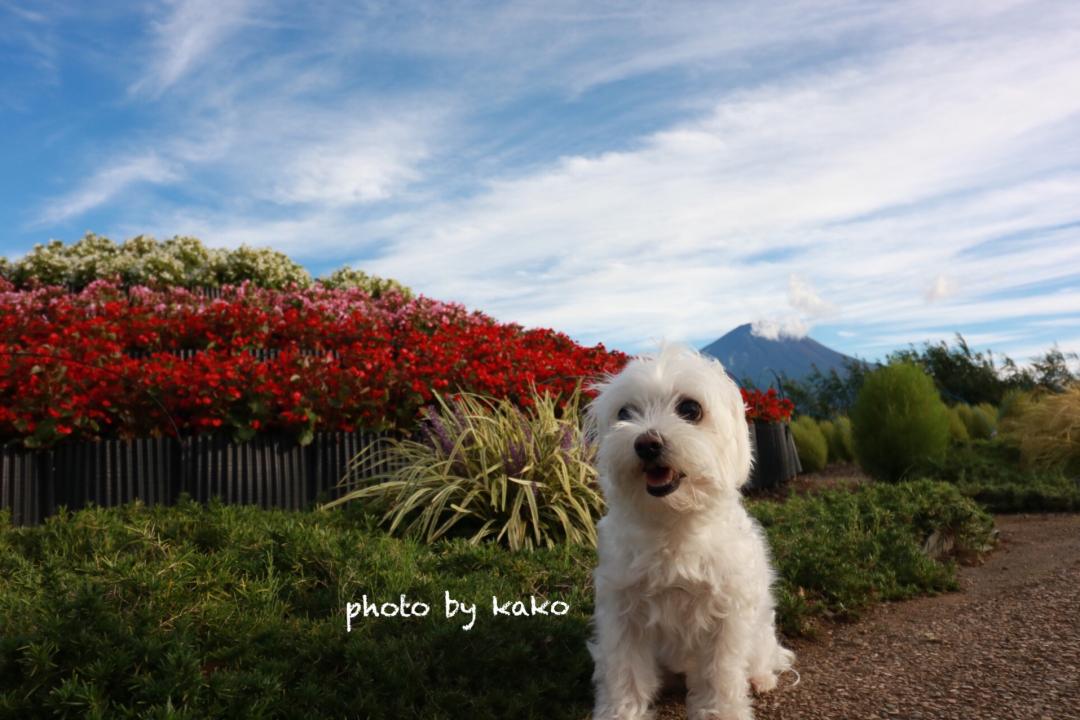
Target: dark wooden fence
270 471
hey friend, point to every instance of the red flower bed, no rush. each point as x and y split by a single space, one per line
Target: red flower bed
767 406
102 363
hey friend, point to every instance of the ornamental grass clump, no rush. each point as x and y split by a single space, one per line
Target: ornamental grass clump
899 422
487 469
811 443
1014 404
1048 433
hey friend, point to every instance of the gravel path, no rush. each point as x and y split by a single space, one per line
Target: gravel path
1007 647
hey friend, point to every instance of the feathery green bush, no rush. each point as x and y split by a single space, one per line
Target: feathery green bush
811 443
958 431
846 437
966 413
983 421
838 436
828 430
899 421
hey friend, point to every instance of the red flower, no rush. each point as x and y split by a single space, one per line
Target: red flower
109 365
767 406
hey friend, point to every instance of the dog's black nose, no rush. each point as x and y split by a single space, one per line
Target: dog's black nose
649 445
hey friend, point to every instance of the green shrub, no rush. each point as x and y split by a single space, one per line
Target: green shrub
983 421
992 474
491 470
967 414
178 261
142 260
232 611
958 431
990 411
261 266
811 443
979 421
837 434
846 437
828 429
898 421
347 277
839 552
1014 403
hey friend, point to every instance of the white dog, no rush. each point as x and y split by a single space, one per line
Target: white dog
683 580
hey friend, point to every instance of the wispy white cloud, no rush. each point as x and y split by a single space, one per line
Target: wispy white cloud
105 184
340 159
804 298
189 31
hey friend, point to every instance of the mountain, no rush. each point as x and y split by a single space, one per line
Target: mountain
746 355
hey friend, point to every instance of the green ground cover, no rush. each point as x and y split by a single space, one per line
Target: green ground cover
227 611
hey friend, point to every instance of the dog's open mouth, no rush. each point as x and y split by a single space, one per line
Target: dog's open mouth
660 480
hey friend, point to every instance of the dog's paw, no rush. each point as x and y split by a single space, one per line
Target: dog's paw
740 710
763 683
625 711
734 714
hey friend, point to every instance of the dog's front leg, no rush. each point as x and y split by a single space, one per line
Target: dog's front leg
717 685
626 673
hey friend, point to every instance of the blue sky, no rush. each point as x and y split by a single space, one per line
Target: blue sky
874 173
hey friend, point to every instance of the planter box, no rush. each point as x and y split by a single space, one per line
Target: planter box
270 471
334 453
111 472
776 461
20 488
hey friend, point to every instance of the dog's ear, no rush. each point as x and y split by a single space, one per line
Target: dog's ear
594 411
742 455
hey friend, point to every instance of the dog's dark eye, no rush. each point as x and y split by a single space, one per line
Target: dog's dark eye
626 412
689 410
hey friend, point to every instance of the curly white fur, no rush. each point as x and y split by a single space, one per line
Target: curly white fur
683 579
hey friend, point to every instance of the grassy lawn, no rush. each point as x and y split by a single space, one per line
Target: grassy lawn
227 611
